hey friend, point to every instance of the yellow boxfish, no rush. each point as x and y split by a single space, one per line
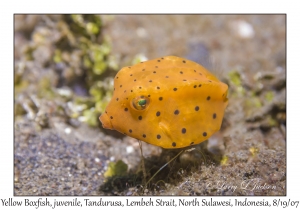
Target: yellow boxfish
169 102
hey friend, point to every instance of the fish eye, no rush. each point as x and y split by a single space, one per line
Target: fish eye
140 102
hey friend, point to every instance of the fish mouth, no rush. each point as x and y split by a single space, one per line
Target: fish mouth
106 123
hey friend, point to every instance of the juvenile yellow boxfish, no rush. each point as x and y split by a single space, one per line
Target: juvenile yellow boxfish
169 102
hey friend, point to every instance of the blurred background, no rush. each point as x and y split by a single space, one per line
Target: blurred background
64 67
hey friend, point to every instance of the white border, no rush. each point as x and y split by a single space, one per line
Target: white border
8 8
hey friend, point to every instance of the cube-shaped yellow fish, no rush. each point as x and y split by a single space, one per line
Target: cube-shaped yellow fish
169 102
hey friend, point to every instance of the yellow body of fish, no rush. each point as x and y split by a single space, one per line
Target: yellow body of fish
169 102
